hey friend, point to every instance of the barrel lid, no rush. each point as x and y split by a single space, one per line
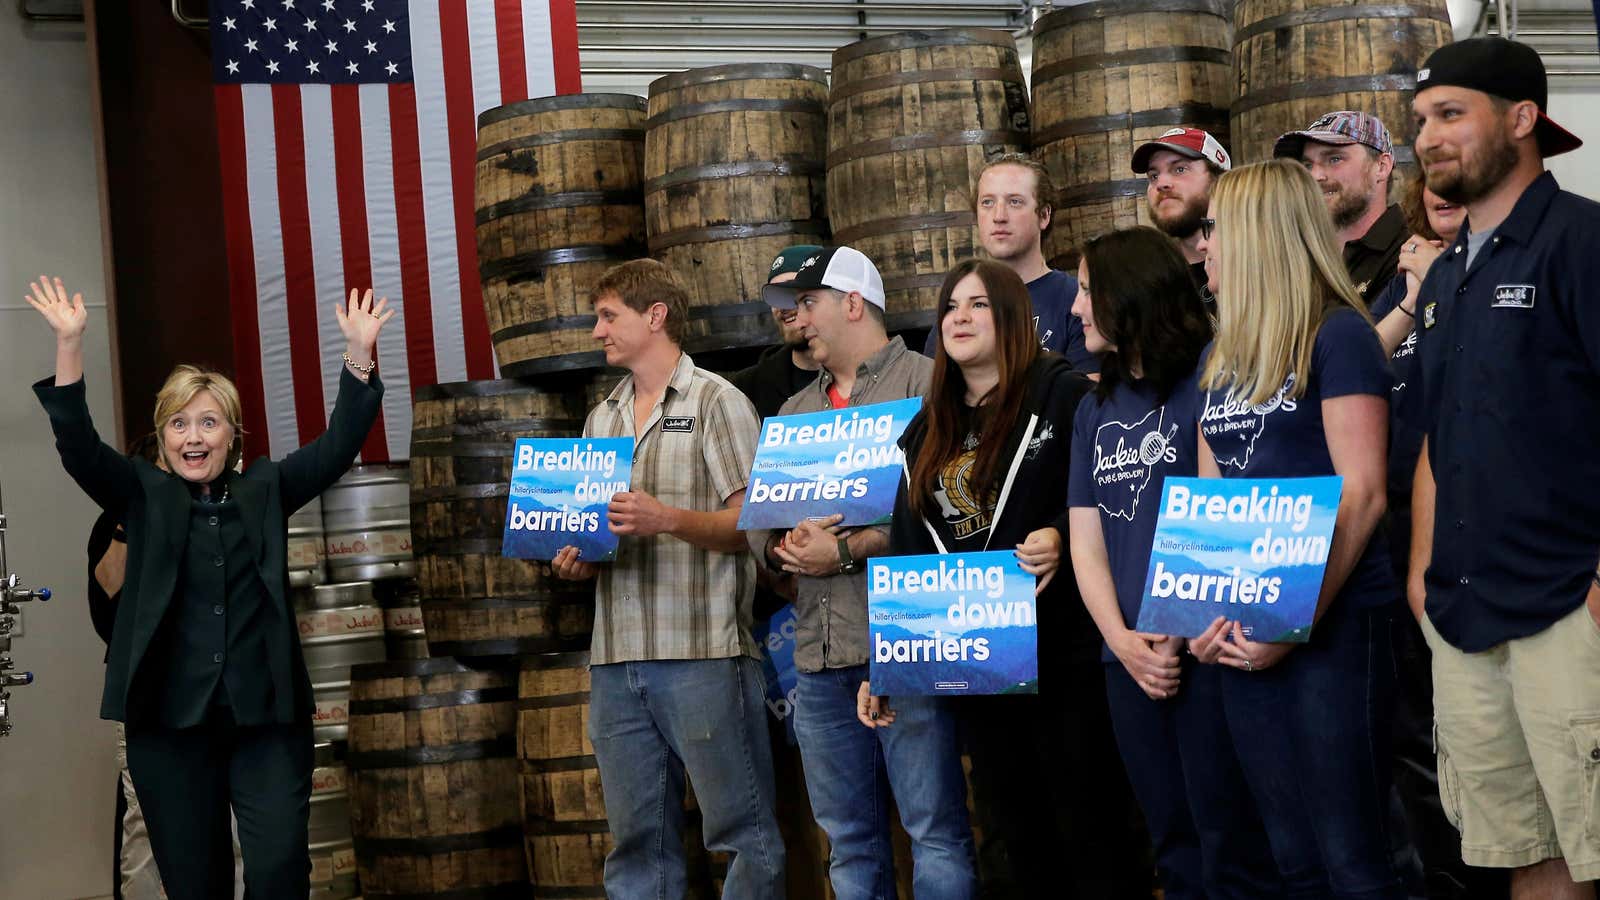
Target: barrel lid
738 72
437 665
560 102
908 40
555 660
1069 15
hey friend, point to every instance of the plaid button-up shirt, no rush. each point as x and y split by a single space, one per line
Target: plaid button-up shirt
664 598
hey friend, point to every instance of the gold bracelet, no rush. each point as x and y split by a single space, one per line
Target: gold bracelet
364 370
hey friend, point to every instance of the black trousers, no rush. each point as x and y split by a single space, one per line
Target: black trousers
187 778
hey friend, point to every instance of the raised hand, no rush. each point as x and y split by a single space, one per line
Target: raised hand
67 319
362 323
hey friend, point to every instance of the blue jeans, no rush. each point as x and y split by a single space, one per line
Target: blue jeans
850 770
1313 735
650 722
1208 837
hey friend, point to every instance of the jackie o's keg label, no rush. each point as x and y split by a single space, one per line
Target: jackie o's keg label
404 618
316 623
389 542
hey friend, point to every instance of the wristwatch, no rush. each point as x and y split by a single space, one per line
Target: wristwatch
847 563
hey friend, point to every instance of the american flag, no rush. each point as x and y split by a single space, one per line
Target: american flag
348 132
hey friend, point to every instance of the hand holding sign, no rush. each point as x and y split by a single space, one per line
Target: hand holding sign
567 566
1243 653
812 547
1040 555
639 514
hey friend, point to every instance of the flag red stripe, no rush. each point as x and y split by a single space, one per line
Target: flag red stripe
413 237
462 127
305 347
513 57
564 46
241 268
352 189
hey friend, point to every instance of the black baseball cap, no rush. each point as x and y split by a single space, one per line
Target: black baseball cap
1504 68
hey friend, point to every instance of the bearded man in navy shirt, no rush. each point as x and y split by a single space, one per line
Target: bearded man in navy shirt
1506 511
1014 199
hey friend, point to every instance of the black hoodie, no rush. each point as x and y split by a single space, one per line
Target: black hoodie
1032 495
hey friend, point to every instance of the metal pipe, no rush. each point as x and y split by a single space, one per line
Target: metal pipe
186 20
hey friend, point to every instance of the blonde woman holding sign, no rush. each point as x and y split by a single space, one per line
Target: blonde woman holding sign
1296 384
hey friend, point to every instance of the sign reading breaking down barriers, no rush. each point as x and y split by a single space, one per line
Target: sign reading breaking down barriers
813 465
560 488
957 623
1251 549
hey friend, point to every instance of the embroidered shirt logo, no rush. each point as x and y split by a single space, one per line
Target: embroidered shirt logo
1037 444
684 424
1513 296
1125 458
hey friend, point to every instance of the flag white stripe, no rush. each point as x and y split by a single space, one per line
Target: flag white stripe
383 243
327 252
438 198
536 44
485 60
272 302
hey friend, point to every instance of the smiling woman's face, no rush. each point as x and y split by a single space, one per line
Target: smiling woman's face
196 439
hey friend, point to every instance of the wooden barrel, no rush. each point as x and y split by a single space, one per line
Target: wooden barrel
733 166
563 808
476 602
1294 60
433 779
1110 76
912 118
559 202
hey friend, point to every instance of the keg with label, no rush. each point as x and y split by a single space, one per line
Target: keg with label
308 554
403 634
333 856
366 517
340 625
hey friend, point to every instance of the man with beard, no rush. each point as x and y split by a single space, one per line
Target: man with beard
1182 164
1014 199
1505 543
787 366
1351 157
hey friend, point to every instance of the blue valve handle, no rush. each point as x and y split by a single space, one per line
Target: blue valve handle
42 593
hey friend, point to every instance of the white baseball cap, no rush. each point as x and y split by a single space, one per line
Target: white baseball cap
843 269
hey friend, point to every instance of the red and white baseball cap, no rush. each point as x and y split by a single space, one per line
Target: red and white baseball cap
1191 142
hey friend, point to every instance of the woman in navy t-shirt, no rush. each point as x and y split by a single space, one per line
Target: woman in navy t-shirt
1296 384
1141 311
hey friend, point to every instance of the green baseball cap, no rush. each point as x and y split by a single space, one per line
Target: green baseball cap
788 261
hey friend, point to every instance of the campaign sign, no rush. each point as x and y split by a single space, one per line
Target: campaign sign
777 637
1250 549
559 491
952 623
813 465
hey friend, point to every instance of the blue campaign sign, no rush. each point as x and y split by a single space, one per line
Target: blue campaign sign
813 465
559 491
1250 549
954 623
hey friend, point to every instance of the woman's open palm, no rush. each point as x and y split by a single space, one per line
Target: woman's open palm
365 318
67 318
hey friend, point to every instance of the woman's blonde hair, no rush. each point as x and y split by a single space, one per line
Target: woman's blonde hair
1281 274
180 389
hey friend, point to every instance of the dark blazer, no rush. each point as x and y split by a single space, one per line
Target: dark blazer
154 505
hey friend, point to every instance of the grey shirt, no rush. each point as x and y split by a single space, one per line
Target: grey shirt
831 612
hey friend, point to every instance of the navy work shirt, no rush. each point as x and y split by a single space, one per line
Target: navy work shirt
1059 330
1509 386
1123 448
1284 437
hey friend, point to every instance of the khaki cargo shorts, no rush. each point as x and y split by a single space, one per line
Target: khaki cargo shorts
1517 733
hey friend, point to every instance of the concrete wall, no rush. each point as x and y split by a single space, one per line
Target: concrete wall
57 770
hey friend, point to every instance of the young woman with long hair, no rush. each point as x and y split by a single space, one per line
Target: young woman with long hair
1143 314
1296 384
986 466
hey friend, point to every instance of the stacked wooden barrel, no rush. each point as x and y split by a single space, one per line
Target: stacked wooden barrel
1295 60
912 117
733 165
433 780
476 602
1107 77
559 201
